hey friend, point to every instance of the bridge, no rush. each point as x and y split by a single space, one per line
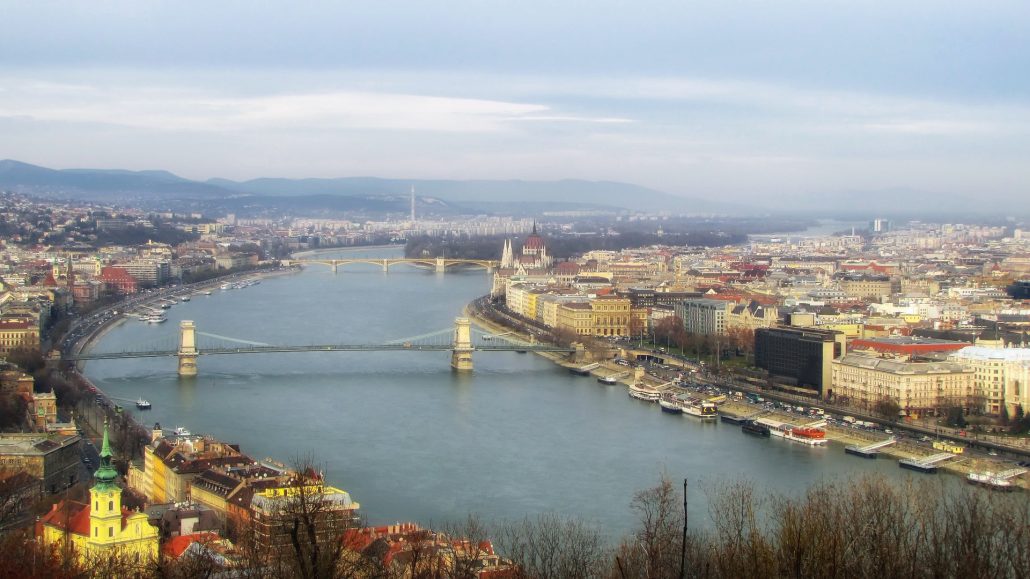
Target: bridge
438 264
461 341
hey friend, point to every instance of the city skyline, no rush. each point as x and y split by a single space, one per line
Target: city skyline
742 102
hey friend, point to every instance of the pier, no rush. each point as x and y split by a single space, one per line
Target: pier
869 450
927 464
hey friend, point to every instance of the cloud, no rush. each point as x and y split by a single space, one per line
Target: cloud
192 109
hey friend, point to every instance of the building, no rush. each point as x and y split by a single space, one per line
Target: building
335 512
54 459
576 317
118 281
149 272
171 464
799 357
103 527
1002 377
16 334
703 316
866 287
918 387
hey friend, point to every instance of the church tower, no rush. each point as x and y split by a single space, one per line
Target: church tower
105 517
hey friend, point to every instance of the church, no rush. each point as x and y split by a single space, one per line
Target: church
532 264
103 528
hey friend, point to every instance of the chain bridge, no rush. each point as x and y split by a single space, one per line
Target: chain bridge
461 340
437 264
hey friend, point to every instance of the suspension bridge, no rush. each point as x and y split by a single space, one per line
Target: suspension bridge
461 340
437 264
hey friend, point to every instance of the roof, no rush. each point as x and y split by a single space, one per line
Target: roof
900 367
176 546
985 353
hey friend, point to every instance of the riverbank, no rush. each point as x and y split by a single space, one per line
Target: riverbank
961 465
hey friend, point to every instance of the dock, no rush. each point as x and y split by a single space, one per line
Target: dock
869 450
738 420
927 464
585 370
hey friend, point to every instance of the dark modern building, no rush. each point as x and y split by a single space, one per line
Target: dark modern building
799 357
1020 290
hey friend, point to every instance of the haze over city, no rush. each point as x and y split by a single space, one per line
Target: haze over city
759 103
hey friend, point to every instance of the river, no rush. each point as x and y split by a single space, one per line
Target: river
410 439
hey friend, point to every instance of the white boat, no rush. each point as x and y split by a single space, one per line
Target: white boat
207 292
644 393
225 286
180 431
608 380
143 404
989 480
185 298
702 410
156 319
787 431
671 406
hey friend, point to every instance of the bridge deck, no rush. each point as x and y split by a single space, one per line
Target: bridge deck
320 348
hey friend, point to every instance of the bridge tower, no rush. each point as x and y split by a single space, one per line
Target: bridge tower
187 348
461 355
334 265
441 265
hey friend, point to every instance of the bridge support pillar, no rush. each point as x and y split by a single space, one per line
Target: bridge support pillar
386 266
334 265
441 265
461 355
187 348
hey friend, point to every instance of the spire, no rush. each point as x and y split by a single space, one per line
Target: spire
106 474
534 227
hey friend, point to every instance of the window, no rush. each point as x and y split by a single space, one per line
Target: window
110 505
110 531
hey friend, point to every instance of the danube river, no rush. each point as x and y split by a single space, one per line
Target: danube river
409 439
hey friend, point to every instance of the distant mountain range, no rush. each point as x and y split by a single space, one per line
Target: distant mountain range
373 195
478 195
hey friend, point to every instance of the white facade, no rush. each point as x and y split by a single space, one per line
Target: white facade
1002 376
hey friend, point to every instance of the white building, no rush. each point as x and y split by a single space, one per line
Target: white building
1002 376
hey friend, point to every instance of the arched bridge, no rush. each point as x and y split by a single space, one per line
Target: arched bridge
461 341
438 264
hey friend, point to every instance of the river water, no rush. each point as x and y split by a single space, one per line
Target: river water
409 439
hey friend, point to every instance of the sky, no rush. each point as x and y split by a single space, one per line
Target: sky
745 100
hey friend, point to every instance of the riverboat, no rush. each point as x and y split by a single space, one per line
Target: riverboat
754 428
670 406
989 480
644 393
156 319
143 404
809 436
185 298
608 380
181 431
703 410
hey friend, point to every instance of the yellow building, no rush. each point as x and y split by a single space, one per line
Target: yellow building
611 316
102 528
917 387
576 317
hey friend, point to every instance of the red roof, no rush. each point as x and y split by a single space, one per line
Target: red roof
73 517
533 242
176 546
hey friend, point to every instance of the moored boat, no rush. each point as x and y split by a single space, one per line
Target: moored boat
143 404
644 393
609 380
989 480
670 406
755 428
701 409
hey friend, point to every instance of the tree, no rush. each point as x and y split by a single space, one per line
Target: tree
554 547
653 551
887 408
955 416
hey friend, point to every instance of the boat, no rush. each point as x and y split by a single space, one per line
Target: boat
225 287
918 465
143 404
185 298
609 380
644 393
730 419
207 292
703 410
989 480
156 319
754 427
670 406
180 431
804 435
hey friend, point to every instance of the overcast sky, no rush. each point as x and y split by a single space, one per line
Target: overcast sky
752 99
